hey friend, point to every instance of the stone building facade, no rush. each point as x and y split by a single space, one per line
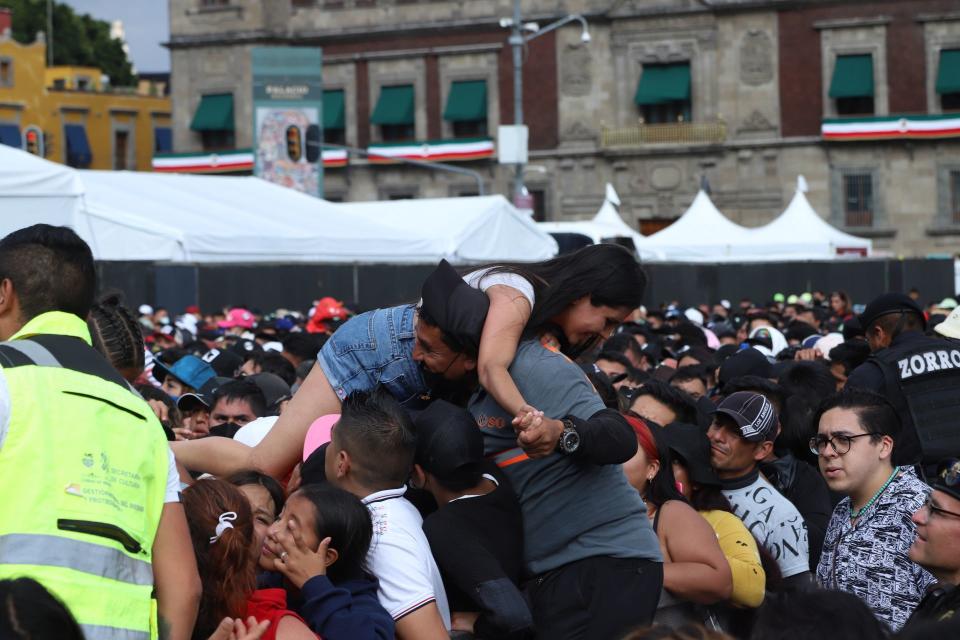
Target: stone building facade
763 81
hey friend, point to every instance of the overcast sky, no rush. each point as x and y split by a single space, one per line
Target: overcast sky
145 23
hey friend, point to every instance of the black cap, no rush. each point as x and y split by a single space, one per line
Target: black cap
204 397
753 414
447 439
690 443
852 328
274 389
244 348
889 303
457 308
313 469
224 362
746 362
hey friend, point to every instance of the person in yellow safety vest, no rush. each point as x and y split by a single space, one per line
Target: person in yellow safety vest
84 465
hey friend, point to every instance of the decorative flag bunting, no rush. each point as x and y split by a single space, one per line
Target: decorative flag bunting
892 127
242 159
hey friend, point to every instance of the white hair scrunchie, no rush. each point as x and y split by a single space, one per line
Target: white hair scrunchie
225 523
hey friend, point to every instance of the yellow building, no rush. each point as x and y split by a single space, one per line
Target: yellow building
85 123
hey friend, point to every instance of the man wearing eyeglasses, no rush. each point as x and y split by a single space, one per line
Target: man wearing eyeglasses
919 374
937 546
870 531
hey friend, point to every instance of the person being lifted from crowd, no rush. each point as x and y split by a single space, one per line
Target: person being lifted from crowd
52 378
870 532
582 293
741 435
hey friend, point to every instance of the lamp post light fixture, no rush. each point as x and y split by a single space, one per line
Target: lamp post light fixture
520 34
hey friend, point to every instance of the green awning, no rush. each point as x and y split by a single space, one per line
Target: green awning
395 105
215 113
852 77
467 101
660 83
333 109
948 77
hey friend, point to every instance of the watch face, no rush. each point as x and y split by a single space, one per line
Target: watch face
571 441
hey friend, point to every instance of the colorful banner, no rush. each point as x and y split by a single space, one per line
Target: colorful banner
891 127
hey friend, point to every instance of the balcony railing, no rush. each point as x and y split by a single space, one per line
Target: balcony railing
669 133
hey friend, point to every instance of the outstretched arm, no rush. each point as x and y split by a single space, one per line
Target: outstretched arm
282 447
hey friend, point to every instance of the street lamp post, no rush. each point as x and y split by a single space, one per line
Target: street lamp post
517 40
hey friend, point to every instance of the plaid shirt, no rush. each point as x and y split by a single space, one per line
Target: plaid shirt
869 558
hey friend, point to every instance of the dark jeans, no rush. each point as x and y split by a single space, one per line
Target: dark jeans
596 598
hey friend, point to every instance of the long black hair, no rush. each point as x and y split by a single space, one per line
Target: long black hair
608 273
343 517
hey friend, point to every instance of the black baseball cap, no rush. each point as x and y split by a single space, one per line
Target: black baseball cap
274 389
890 303
746 362
753 414
690 443
204 397
457 308
225 363
447 439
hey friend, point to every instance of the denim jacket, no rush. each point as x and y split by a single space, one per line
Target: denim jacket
371 348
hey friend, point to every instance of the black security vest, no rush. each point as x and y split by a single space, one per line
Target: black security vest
922 380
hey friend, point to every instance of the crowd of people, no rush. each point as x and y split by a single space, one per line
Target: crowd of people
524 452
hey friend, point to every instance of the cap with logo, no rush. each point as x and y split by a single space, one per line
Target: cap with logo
887 304
237 317
753 414
190 370
224 362
447 439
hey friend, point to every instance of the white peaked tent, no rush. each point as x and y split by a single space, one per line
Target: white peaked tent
32 188
462 230
701 234
799 233
605 225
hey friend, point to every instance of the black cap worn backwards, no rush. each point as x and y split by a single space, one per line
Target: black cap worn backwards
457 308
889 303
447 439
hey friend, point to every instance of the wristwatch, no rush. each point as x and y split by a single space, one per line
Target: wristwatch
569 440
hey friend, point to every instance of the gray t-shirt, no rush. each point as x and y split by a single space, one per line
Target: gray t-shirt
572 509
773 521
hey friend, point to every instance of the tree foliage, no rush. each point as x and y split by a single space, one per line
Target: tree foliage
77 39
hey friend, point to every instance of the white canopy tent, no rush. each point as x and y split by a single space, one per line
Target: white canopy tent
217 219
799 233
462 230
701 234
605 226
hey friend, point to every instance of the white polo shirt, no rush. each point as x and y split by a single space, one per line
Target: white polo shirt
400 557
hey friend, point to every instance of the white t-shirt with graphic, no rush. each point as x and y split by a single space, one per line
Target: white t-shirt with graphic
773 521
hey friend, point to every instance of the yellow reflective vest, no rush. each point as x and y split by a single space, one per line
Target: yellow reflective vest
83 471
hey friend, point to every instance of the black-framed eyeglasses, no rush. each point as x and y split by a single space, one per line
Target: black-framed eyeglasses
840 443
930 507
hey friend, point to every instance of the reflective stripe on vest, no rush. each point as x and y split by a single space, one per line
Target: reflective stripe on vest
55 551
509 457
98 632
40 355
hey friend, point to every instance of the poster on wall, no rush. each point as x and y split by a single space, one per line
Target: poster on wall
288 116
